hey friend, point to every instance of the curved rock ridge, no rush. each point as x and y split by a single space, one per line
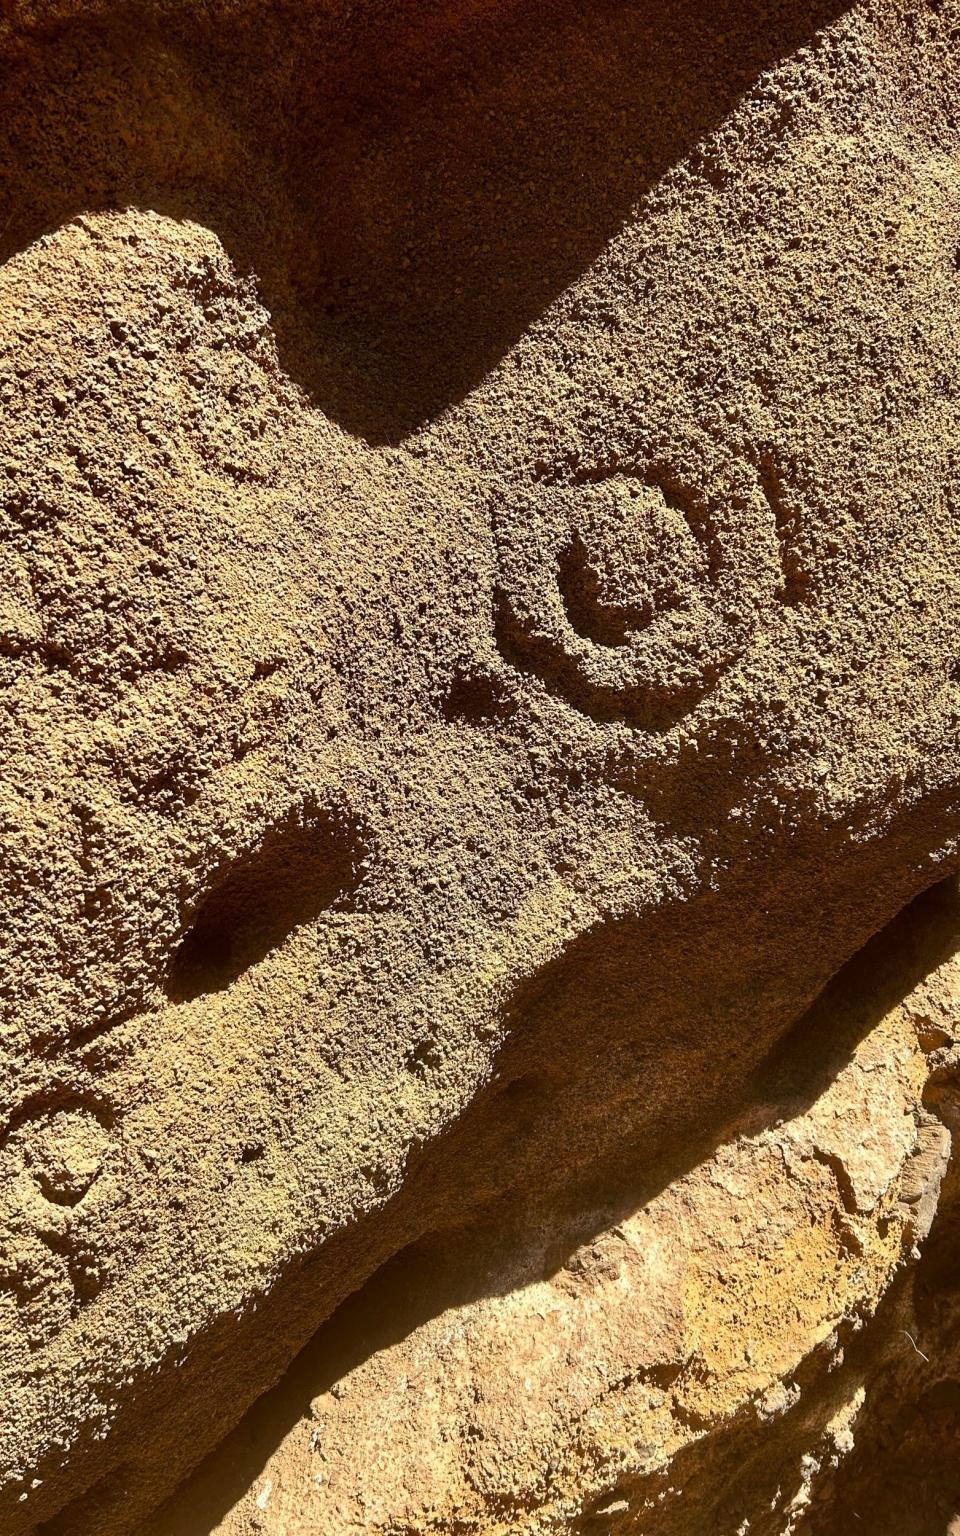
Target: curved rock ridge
479 651
711 1356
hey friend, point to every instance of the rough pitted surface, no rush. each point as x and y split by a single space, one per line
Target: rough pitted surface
479 651
702 1360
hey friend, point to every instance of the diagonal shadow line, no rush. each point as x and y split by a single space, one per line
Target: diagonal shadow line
608 1070
493 1253
412 189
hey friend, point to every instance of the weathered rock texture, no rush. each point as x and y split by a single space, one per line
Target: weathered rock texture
479 650
702 1358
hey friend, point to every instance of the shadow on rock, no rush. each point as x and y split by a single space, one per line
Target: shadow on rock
411 189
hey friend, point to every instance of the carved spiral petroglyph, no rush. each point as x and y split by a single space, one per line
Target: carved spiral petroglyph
60 1187
650 594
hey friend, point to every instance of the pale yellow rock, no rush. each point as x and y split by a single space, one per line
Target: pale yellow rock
719 1312
479 646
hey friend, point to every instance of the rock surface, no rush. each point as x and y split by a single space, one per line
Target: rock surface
479 650
707 1359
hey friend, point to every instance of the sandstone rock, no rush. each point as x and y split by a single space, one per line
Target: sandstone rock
704 1361
478 652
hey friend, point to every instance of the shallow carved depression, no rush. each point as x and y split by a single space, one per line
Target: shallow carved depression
298 869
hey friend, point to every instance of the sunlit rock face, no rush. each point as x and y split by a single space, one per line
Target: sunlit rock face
479 650
744 1347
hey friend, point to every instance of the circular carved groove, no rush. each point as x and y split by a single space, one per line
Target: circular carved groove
628 598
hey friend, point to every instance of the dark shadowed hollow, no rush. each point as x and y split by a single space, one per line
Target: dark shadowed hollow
298 869
412 192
